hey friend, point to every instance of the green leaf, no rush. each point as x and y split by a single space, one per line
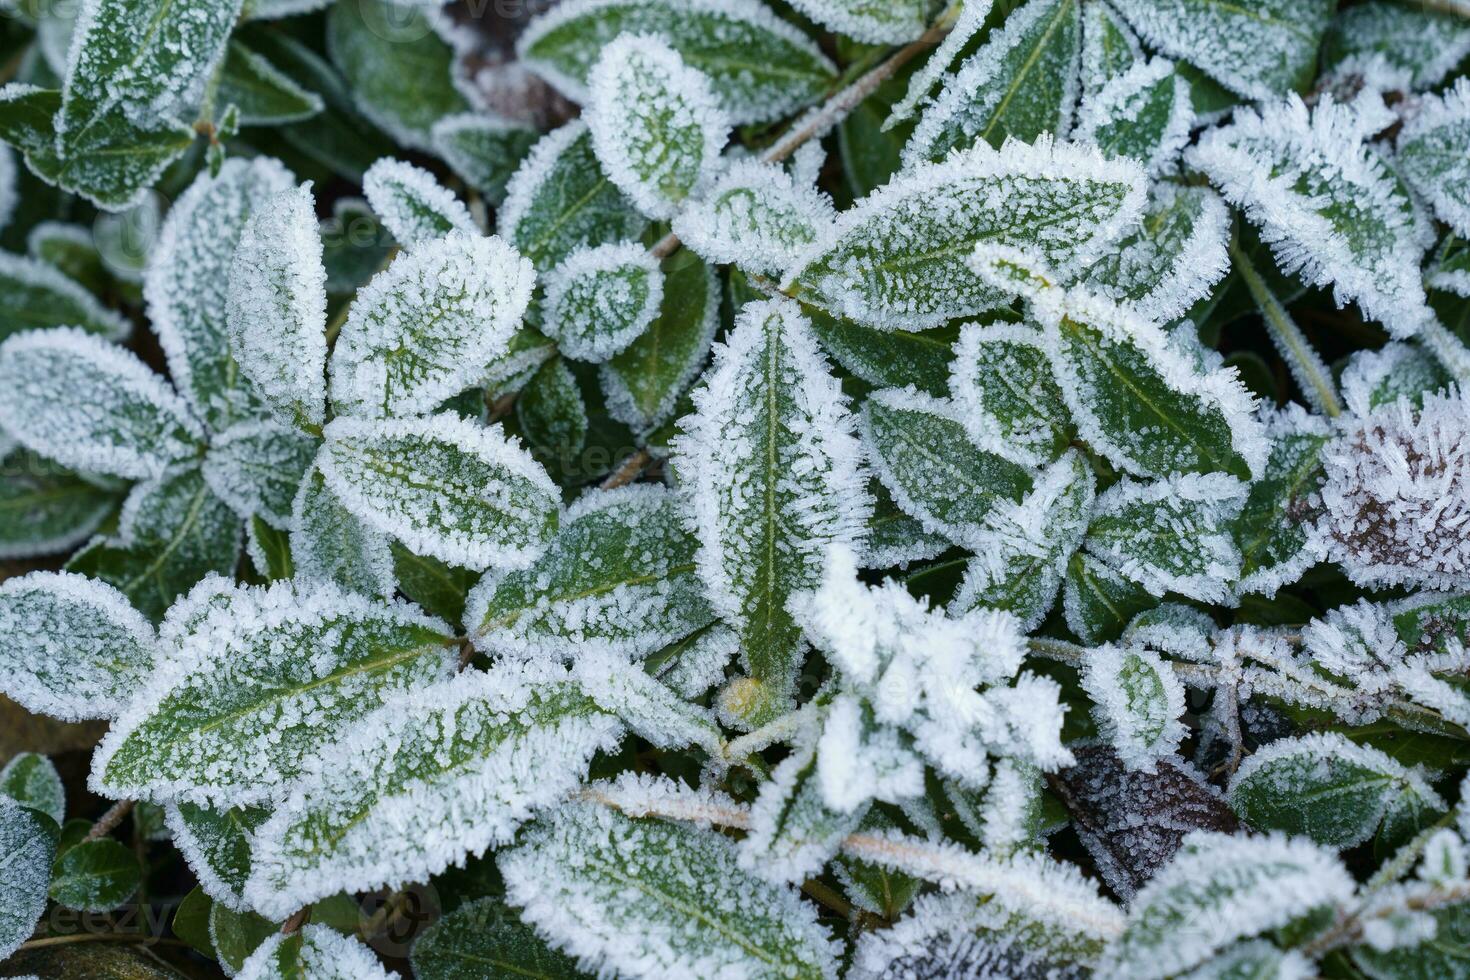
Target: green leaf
1443 956
643 383
874 888
898 259
1109 47
1137 702
1021 83
485 937
888 358
1429 623
552 414
1427 43
71 249
1272 529
696 912
270 550
256 468
761 68
315 951
191 921
1271 48
1005 394
414 206
31 780
1372 379
96 876
560 200
620 574
35 294
28 843
443 773
600 300
771 465
188 278
262 93
441 589
174 532
77 649
1145 113
793 831
483 150
398 70
895 538
330 544
1327 788
235 935
1173 535
216 844
1433 148
1098 602
757 216
444 487
261 678
46 509
935 472
92 406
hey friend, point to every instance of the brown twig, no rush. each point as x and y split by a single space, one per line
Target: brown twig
108 822
628 471
298 919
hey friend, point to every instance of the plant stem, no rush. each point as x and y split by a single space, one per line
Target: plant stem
1306 367
628 471
142 938
297 920
108 822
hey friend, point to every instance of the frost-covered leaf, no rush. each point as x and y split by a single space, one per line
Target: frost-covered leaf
397 69
933 469
95 875
1022 548
897 260
187 286
1218 890
756 216
1327 203
1433 150
72 249
1372 379
575 868
1137 702
1327 788
1173 259
760 67
216 844
1173 535
1273 529
443 486
233 936
172 532
256 468
31 780
485 934
35 294
1262 50
1098 602
599 300
1021 83
560 200
1145 113
1109 47
1138 401
261 93
650 709
413 205
259 679
888 358
484 150
314 953
1417 954
1132 821
871 21
895 538
46 509
1426 43
656 125
427 328
28 841
774 474
793 831
619 575
694 665
276 311
92 406
330 544
447 771
1254 960
1004 393
552 413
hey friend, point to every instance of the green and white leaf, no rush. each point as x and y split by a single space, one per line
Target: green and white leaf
1109 47
32 780
1021 83
443 486
895 538
314 953
760 67
1325 787
649 708
71 249
572 876
756 216
1137 702
187 284
934 470
262 93
36 294
1004 393
28 841
870 21
216 843
46 509
415 787
260 678
1273 529
330 544
276 311
656 125
1098 602
414 206
1434 154
773 471
888 358
257 467
553 414
92 406
897 260
793 831
1426 43
429 327
486 934
620 575
96 875
1145 113
484 150
600 300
